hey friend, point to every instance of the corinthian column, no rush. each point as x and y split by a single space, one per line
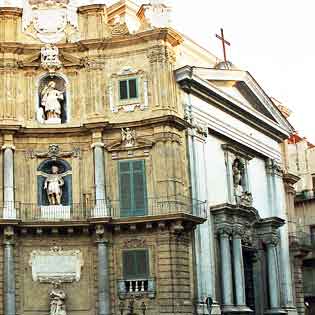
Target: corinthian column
100 209
9 211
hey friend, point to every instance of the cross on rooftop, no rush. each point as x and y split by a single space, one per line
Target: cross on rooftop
224 42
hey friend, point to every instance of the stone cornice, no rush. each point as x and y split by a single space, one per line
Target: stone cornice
191 83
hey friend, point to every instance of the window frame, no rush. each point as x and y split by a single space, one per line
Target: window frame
147 262
128 89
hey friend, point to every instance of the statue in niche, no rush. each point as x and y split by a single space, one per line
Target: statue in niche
57 300
53 186
51 101
238 177
52 105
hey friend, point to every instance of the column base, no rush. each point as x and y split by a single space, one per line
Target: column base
236 310
202 309
291 310
275 311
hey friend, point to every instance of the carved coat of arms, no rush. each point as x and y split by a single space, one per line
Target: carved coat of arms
48 20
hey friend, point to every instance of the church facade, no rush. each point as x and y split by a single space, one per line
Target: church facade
133 182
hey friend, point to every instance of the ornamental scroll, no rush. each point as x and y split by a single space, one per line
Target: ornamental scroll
56 265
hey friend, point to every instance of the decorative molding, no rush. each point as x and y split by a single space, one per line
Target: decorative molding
56 264
53 153
160 53
50 58
135 243
237 151
120 145
167 136
130 105
274 168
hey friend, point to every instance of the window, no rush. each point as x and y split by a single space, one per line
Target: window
312 230
128 89
136 264
132 188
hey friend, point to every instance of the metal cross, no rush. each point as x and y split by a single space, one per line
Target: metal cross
224 42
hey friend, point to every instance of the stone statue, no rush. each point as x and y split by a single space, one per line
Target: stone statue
128 136
237 169
53 184
57 300
51 102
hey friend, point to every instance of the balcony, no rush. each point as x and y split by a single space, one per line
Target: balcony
113 210
302 239
136 287
305 195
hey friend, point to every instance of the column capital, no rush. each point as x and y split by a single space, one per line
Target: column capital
8 146
238 232
97 145
272 240
224 231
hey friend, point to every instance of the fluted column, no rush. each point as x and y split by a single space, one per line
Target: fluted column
226 267
238 265
273 273
100 209
103 278
9 211
9 275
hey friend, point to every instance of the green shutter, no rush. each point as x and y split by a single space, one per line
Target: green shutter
132 88
136 264
132 188
123 89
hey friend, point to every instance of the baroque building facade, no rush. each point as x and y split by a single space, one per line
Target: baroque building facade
134 182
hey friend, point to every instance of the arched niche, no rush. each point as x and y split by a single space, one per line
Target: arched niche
53 99
44 170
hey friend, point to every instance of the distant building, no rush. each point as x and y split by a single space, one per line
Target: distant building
301 162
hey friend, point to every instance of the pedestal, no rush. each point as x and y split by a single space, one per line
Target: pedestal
57 212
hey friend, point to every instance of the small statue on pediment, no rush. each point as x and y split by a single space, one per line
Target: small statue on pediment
128 137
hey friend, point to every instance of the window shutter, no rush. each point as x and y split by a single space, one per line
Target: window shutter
125 189
139 188
136 264
142 264
133 91
123 90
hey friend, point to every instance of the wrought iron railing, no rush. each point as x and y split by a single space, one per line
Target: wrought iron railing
303 195
103 208
300 238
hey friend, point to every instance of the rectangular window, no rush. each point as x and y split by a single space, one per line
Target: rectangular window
132 188
128 89
136 264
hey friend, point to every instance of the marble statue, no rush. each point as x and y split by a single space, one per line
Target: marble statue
53 186
57 300
50 101
128 136
237 169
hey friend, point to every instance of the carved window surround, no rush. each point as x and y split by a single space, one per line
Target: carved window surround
128 105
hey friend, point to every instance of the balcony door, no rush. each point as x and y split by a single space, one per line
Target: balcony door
132 188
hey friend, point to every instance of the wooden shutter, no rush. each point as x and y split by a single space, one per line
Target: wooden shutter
125 189
132 88
132 188
123 89
136 264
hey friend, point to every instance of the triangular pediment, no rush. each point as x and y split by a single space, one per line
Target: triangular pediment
240 90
